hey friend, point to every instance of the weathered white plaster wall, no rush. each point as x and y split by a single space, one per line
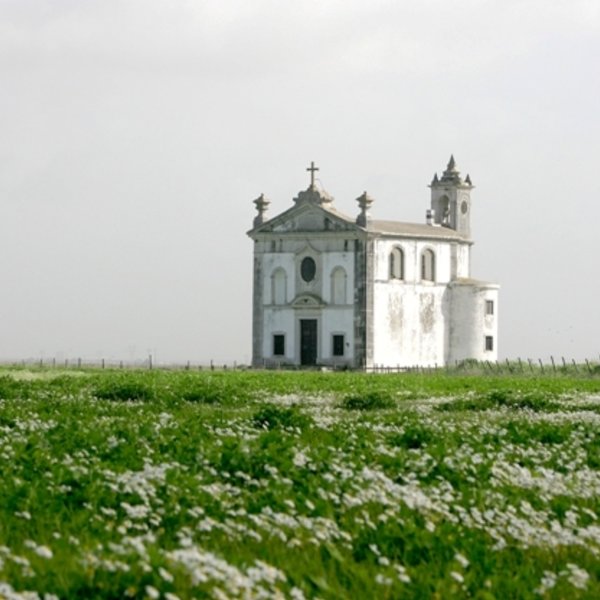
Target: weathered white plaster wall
463 263
278 320
410 316
331 260
409 324
271 262
329 254
470 324
412 258
337 320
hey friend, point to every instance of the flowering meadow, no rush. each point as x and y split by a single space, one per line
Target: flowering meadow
156 484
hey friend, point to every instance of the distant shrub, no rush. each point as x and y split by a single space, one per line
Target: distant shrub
203 395
271 416
124 390
368 401
221 388
522 432
413 438
535 401
11 388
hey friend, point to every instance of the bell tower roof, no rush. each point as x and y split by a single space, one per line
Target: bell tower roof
451 200
451 174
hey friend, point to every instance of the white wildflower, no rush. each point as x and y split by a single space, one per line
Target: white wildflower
577 576
165 575
382 579
44 552
152 592
547 582
137 511
457 576
297 594
402 573
464 562
300 459
8 593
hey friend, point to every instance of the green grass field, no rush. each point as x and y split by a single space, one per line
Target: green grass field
131 484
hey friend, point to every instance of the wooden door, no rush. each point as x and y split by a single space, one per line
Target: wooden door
308 341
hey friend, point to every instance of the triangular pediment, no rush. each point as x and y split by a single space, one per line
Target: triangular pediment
308 301
307 217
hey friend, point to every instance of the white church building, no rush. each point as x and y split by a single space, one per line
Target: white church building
361 293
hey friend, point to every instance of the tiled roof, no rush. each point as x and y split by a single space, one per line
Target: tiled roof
414 230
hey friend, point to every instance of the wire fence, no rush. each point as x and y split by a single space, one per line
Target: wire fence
515 366
105 363
530 366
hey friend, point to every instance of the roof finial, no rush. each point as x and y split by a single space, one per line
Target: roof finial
262 205
451 174
364 202
312 170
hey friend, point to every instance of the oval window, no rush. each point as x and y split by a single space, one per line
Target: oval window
464 207
308 269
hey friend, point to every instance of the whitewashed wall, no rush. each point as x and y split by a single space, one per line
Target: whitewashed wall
411 317
332 319
470 324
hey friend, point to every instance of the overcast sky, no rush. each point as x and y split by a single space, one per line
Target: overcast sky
134 135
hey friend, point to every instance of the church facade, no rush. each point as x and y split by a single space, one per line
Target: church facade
338 291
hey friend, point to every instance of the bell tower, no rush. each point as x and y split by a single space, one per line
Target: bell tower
451 200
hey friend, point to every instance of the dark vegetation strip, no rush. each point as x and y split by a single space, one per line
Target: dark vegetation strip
227 387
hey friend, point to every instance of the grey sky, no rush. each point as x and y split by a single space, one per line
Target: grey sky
135 134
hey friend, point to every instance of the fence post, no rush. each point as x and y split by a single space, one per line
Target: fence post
575 366
553 363
541 365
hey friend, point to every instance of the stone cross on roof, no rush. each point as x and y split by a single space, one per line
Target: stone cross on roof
312 170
